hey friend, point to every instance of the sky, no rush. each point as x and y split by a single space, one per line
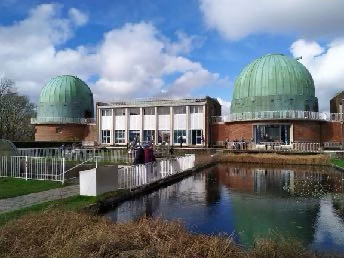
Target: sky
146 48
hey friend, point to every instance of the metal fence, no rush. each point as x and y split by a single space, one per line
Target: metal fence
283 114
80 155
139 175
62 120
39 168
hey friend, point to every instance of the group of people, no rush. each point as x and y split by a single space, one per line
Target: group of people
141 153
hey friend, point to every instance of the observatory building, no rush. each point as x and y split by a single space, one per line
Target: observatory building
65 111
274 103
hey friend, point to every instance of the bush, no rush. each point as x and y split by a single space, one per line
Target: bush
57 233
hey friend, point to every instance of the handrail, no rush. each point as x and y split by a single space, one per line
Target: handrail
96 157
280 115
62 120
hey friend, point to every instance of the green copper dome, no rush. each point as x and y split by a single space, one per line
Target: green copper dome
65 96
274 82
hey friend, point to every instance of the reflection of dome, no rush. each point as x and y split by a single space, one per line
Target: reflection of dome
274 82
66 96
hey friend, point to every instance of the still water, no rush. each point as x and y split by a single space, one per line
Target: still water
248 202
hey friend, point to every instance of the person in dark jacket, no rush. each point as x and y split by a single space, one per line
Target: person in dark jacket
171 150
180 139
140 156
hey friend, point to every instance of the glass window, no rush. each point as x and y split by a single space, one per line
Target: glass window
179 110
119 136
134 111
178 135
163 110
196 109
134 135
149 111
163 136
105 136
195 137
120 112
265 134
148 135
106 112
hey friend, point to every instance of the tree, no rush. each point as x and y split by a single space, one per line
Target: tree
16 112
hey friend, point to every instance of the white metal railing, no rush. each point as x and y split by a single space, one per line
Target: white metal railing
307 146
139 175
333 145
62 120
38 168
80 155
285 114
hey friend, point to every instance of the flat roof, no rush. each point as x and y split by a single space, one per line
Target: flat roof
166 101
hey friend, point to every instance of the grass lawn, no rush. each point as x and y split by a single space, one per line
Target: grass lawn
11 187
74 203
338 162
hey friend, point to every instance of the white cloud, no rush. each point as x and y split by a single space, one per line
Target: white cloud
135 59
77 17
238 19
326 66
225 106
131 61
184 45
29 55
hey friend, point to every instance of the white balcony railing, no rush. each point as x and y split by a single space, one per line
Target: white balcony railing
62 120
280 115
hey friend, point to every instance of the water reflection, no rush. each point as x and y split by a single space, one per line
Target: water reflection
303 202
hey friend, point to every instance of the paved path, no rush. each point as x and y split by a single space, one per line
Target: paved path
28 200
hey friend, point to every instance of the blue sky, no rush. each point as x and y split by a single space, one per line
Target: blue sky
141 48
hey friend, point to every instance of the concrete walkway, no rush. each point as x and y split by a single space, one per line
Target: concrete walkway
28 200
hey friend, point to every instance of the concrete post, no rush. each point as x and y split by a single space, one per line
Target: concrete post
126 136
156 126
141 127
171 125
187 124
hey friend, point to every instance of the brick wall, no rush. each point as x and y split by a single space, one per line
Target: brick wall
303 131
90 133
307 131
331 132
232 131
68 132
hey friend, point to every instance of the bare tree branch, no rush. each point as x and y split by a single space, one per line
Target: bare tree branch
15 113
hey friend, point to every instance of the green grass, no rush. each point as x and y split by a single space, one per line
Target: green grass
338 162
11 187
75 203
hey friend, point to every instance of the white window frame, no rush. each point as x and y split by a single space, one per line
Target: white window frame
163 110
106 136
119 136
179 110
106 112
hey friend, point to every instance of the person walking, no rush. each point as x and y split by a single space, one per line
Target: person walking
180 139
202 140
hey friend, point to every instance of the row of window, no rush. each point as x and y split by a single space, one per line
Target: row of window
179 136
151 111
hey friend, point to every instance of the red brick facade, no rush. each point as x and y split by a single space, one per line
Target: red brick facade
303 131
307 131
232 131
331 132
66 132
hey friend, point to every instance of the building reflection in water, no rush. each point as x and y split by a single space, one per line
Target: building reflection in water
286 200
251 202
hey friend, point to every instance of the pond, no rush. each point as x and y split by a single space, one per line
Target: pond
247 202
